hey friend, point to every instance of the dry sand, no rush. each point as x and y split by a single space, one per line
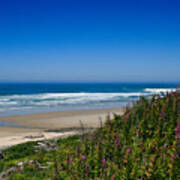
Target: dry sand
14 136
34 127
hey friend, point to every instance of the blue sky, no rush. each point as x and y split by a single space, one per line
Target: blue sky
89 41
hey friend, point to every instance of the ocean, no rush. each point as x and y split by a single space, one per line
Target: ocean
25 98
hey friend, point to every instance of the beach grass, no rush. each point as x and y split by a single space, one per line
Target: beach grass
141 144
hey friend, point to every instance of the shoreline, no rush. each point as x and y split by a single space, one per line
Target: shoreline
41 126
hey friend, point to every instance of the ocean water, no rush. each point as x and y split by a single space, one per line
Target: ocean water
19 98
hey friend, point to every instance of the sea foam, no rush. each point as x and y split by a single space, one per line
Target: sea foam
159 90
22 102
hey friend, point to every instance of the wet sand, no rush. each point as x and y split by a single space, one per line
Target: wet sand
59 120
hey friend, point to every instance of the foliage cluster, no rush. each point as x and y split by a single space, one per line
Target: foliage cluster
142 144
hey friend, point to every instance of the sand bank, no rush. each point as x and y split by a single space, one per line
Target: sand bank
34 127
14 136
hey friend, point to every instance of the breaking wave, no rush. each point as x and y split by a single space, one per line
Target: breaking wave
79 99
159 90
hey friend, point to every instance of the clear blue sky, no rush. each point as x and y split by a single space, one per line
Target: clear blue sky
89 40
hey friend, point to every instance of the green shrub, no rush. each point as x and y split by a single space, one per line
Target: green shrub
141 144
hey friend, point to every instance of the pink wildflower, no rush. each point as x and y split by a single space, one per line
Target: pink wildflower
117 141
71 160
112 178
162 114
128 107
175 155
103 161
178 128
83 157
125 117
99 138
128 151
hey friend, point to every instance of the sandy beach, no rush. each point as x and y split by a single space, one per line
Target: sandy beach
34 127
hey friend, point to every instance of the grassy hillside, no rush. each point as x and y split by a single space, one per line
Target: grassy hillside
142 144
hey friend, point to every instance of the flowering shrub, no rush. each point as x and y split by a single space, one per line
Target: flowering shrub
142 144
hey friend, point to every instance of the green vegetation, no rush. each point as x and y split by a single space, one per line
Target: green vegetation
142 144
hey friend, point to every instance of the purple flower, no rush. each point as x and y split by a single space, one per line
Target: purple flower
171 93
135 110
70 160
83 157
103 161
54 175
128 151
128 107
175 155
178 128
124 118
127 116
162 114
99 137
178 136
117 141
